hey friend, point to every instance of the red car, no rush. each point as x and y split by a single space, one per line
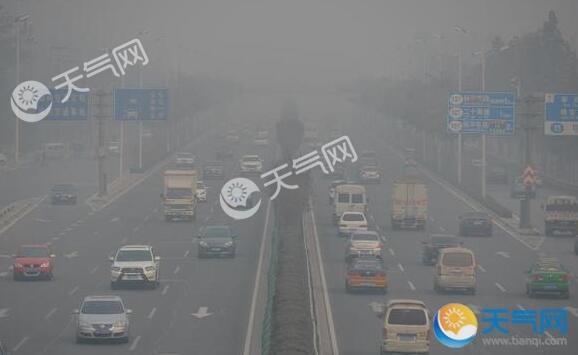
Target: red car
33 261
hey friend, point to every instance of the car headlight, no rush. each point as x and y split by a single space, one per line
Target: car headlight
17 265
45 265
85 325
203 244
115 269
150 268
120 323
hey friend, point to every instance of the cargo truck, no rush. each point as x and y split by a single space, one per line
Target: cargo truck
179 195
408 204
561 215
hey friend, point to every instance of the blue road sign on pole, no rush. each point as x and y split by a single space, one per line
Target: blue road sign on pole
141 104
561 114
491 113
74 109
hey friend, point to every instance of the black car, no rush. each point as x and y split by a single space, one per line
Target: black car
225 152
63 194
475 223
366 273
213 170
216 241
434 243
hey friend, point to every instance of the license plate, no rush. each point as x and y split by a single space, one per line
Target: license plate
407 337
550 287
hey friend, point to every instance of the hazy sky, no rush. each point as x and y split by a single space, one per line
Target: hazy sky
284 40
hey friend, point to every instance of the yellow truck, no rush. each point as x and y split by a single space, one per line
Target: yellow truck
561 215
409 204
179 195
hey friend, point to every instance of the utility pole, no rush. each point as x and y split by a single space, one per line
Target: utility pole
528 126
101 155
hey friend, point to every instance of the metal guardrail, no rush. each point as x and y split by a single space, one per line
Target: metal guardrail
266 327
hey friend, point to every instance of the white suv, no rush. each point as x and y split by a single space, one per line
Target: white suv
135 264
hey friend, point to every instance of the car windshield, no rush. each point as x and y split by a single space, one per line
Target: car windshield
364 237
217 232
178 192
458 259
33 252
353 217
102 307
356 198
134 255
400 316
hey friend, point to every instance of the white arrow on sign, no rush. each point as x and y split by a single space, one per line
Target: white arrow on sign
4 312
202 313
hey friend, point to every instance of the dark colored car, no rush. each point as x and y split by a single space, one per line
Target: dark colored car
475 223
33 262
213 170
366 273
436 242
497 175
216 241
64 194
519 190
225 152
548 276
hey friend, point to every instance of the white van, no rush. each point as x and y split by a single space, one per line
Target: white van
455 270
406 327
349 197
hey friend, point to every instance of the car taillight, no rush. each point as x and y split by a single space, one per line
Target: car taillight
380 245
537 277
565 277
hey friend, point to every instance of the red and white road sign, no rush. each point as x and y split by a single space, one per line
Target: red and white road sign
529 176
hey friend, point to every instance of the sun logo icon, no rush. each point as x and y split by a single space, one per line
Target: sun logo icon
25 98
455 325
27 95
237 192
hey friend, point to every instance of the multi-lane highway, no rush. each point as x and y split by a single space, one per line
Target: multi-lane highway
502 261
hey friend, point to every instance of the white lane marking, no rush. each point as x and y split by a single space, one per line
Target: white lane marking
572 310
503 254
500 287
74 254
115 219
481 268
41 220
134 343
177 269
411 285
73 291
24 212
20 344
391 252
49 314
187 253
61 234
4 312
94 269
152 313
80 221
443 229
431 219
5 256
68 229
165 289
54 238
203 312
400 267
520 307
383 239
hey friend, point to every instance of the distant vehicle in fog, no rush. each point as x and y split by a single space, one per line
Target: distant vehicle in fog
216 241
349 198
63 194
185 160
561 215
33 262
56 151
350 222
262 138
251 164
455 270
475 223
213 170
434 243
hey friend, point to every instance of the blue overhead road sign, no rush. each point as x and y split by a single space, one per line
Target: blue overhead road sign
141 104
561 114
75 109
491 113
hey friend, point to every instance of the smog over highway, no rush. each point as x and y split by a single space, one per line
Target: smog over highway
276 177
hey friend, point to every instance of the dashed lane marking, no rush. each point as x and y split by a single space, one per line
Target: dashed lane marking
401 267
49 314
134 343
500 287
411 285
20 344
152 313
165 289
443 229
481 268
73 291
115 219
187 253
503 254
94 269
4 312
391 252
177 269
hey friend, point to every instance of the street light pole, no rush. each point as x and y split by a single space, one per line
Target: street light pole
459 133
18 20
